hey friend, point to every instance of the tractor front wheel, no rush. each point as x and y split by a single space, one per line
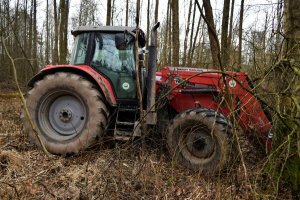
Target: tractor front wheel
67 111
199 139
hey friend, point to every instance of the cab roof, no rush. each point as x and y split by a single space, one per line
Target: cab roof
82 29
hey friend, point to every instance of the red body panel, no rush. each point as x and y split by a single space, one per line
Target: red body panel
244 105
102 82
201 88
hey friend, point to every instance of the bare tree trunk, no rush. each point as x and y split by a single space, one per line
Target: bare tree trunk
65 43
279 16
190 58
214 43
230 32
112 12
25 38
292 30
194 42
25 24
264 57
55 48
187 30
224 35
47 34
240 36
16 24
165 56
175 32
35 61
108 13
169 32
127 10
63 30
201 47
30 34
80 13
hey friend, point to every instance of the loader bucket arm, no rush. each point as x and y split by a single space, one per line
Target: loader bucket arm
252 117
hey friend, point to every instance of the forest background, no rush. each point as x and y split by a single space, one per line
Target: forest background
259 37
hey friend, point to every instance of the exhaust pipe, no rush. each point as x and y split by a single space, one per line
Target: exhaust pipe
151 111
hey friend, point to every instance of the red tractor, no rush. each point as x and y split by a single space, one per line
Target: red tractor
74 105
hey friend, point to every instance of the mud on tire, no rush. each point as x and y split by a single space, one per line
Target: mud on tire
67 111
199 140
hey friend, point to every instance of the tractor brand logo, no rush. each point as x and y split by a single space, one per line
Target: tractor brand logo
125 86
232 83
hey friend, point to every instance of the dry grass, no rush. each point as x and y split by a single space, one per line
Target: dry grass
123 172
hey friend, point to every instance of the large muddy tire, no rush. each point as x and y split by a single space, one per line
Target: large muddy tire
67 111
199 140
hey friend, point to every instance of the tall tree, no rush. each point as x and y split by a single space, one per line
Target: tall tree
87 13
292 30
240 35
55 44
191 37
213 39
113 8
30 32
35 61
127 12
224 34
187 30
166 57
63 30
47 54
148 23
175 32
108 13
170 45
230 32
278 26
194 41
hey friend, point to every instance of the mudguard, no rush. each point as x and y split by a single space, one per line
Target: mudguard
83 70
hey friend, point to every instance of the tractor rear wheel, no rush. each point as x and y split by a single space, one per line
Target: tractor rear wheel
199 140
69 114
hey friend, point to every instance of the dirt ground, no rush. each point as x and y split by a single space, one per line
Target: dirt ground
114 170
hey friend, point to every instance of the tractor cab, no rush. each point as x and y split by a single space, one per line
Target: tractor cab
111 52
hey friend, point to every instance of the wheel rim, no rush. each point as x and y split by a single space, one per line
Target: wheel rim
62 115
198 141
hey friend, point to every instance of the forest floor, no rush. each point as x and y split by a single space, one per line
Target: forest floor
115 171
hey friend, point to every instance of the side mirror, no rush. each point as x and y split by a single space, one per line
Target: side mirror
120 41
141 37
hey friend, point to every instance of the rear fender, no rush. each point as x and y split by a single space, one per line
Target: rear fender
82 70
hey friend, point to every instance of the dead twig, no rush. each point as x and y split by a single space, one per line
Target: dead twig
23 99
12 186
47 189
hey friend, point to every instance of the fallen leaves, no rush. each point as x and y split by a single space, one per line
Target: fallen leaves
101 172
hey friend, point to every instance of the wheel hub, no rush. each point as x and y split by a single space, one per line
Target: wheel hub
65 115
200 144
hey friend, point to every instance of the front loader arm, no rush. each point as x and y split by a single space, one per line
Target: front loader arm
251 115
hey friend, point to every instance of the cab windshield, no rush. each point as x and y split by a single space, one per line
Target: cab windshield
79 53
